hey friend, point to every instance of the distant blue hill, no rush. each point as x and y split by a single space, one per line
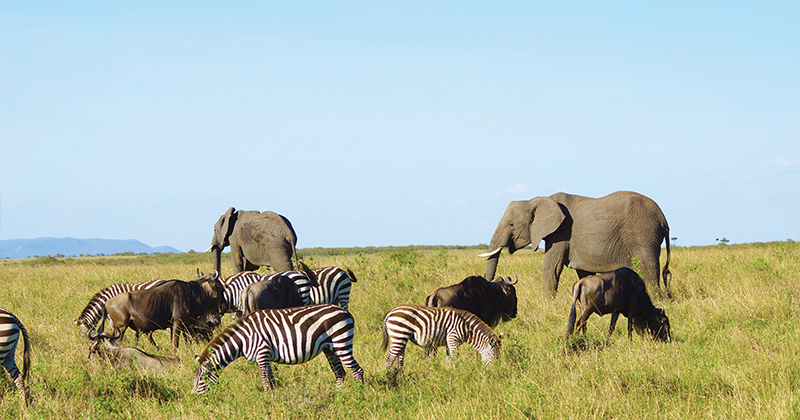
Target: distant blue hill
27 248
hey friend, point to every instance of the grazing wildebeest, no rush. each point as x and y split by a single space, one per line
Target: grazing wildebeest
175 304
275 292
122 356
619 292
491 301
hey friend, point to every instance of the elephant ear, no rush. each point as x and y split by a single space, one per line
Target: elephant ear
227 225
546 217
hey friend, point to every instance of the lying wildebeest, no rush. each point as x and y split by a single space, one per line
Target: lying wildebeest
179 305
491 301
619 292
276 292
122 356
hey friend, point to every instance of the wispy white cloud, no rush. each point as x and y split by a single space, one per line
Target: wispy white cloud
782 165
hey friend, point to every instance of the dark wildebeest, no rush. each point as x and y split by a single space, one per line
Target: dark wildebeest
122 356
619 292
491 301
179 305
277 292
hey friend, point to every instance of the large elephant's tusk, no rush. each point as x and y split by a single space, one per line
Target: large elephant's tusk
489 254
210 248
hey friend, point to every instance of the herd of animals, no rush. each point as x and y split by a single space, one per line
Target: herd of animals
291 316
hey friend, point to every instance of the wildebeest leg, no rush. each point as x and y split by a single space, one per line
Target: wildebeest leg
613 324
153 342
581 324
630 328
336 366
177 325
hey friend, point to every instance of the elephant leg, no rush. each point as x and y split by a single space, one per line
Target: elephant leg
554 259
649 268
237 259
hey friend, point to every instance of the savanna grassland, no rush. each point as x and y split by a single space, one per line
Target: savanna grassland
735 352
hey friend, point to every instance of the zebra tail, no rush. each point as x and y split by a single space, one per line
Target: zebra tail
26 358
385 342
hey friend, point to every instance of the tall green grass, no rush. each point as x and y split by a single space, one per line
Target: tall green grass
735 351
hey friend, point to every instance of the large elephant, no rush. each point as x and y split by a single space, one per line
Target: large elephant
256 239
590 235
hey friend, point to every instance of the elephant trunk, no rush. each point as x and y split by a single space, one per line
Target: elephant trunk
491 266
216 254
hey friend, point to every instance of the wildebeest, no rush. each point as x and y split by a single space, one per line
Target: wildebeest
175 304
122 356
491 301
619 292
275 292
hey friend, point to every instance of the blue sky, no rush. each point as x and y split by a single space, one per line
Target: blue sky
394 123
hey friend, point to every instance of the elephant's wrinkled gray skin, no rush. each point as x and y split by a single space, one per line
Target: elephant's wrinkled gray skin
256 239
590 235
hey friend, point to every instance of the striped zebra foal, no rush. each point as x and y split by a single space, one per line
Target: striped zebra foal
286 336
334 286
430 328
10 330
235 284
90 315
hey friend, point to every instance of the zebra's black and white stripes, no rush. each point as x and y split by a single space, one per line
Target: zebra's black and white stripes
334 286
434 327
91 314
286 336
235 285
10 330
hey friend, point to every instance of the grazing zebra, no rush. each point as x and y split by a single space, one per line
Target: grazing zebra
286 336
334 286
90 315
240 281
10 329
430 328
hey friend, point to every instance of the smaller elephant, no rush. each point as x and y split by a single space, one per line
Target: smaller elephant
256 239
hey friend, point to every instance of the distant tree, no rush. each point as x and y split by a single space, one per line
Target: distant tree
723 241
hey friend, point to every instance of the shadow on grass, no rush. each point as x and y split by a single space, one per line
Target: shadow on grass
578 344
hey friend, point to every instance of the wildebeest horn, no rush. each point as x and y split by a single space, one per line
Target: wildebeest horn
508 280
489 254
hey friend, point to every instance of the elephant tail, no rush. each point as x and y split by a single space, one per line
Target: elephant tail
666 275
576 292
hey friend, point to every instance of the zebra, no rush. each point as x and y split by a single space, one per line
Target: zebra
430 328
10 329
238 282
334 286
286 336
91 314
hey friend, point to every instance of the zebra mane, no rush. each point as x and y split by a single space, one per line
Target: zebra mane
478 326
220 340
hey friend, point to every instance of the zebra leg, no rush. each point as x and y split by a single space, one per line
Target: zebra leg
265 370
336 366
452 346
396 354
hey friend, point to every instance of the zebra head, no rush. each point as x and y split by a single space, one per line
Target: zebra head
205 375
491 349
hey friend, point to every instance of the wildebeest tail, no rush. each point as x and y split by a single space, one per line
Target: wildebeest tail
576 291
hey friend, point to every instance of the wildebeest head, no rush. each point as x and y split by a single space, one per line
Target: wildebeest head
215 290
510 302
659 326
